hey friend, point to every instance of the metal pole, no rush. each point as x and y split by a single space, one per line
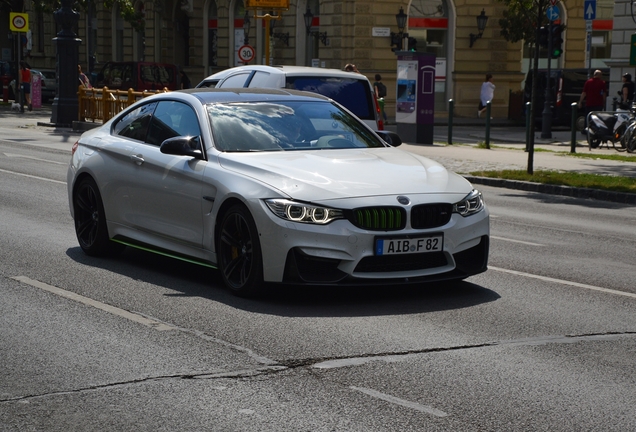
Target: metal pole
488 104
546 127
573 126
528 125
451 108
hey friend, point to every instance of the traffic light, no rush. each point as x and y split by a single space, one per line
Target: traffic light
557 40
543 37
412 44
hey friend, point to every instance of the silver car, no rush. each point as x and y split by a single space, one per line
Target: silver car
272 186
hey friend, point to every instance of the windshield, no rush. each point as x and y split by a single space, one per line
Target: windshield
277 126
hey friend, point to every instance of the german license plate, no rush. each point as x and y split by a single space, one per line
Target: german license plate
403 245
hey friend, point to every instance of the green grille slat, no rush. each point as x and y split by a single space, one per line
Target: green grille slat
379 218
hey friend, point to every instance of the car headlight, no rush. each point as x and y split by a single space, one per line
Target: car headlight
300 212
471 204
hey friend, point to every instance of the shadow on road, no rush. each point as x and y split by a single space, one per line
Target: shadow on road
192 280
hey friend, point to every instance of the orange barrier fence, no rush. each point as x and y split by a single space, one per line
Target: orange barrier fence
102 104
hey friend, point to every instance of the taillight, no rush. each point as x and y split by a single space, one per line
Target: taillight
74 148
559 98
378 113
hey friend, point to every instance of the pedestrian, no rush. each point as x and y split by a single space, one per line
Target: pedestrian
185 81
486 95
595 94
350 67
627 92
25 83
83 78
380 93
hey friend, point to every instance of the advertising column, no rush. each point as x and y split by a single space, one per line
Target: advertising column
415 104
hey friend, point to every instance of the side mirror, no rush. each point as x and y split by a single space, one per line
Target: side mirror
182 146
390 138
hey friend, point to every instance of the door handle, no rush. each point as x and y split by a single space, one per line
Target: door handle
137 158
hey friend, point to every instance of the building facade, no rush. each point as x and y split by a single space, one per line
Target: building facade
204 36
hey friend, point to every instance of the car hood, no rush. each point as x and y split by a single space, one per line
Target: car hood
313 175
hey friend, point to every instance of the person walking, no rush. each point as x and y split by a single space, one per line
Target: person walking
83 78
486 95
25 84
627 92
380 93
185 81
594 94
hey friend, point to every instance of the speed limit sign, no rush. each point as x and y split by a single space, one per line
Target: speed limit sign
246 53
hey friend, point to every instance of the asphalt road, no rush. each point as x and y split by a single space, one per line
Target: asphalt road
544 340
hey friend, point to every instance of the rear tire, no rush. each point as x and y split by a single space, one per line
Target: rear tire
90 221
239 252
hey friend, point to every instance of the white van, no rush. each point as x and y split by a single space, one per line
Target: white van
351 90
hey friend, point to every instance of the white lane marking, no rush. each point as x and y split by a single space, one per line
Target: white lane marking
564 282
96 304
14 155
141 319
401 402
516 241
32 176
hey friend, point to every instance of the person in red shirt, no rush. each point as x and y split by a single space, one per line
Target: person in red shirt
25 82
594 93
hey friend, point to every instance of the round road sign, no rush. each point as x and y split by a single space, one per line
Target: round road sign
246 53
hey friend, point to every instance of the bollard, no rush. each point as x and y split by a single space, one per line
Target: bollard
614 104
488 105
575 113
451 108
528 124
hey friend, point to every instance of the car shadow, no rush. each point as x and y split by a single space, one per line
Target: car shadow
191 280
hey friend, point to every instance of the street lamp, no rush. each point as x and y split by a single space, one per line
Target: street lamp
246 28
398 38
309 17
284 37
482 20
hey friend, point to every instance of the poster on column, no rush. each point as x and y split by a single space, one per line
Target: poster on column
36 91
406 88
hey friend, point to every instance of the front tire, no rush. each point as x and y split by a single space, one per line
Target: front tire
90 221
239 252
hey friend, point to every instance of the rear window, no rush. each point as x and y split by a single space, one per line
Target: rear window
353 94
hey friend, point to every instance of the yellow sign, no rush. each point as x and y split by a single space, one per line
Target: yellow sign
19 22
266 4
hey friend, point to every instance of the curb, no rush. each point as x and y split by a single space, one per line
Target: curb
586 193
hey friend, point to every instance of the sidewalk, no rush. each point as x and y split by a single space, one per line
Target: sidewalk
507 152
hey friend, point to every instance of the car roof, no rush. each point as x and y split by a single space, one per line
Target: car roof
289 71
228 95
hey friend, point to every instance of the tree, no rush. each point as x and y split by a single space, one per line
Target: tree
126 8
522 21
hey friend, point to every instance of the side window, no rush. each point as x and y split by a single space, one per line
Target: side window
259 79
235 81
134 125
172 119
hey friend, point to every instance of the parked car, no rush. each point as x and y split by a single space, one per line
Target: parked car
272 185
139 76
351 90
567 86
48 83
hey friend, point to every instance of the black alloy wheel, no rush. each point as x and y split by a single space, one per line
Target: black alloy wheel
239 252
90 221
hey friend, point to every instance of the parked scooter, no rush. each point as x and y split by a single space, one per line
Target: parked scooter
604 127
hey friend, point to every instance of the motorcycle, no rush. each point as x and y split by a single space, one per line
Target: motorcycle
604 127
